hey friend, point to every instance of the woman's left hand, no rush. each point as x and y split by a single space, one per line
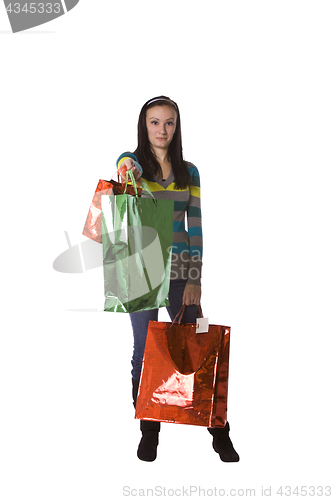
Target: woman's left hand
192 295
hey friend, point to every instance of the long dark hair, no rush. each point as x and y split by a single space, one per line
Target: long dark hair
145 153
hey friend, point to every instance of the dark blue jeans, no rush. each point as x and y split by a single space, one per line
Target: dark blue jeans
140 321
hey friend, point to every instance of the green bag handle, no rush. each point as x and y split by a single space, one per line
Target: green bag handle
146 188
130 173
144 185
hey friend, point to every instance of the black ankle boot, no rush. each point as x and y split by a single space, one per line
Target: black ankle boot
147 449
222 443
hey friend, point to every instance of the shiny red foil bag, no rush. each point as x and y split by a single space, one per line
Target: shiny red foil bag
184 376
93 225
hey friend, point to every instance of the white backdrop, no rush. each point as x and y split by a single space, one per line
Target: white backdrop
253 81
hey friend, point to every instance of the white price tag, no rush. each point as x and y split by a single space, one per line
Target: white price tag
202 325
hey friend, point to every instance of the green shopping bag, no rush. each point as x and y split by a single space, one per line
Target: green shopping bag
137 237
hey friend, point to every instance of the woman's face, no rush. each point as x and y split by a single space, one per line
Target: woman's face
161 125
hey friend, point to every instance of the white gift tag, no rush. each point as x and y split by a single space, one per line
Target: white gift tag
202 325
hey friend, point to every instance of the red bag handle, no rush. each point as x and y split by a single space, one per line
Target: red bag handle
180 314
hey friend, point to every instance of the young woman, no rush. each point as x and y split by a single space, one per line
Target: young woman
159 160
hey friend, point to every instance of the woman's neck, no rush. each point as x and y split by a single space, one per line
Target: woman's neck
164 161
162 156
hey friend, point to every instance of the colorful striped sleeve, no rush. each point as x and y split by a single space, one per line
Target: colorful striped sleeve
194 224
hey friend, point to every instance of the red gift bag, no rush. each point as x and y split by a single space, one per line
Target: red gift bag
93 225
184 376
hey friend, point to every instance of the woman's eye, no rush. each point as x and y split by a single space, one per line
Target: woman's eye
170 123
154 122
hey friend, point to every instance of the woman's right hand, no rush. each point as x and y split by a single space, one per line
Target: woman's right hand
130 165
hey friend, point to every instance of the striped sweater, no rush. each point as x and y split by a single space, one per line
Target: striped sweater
187 244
